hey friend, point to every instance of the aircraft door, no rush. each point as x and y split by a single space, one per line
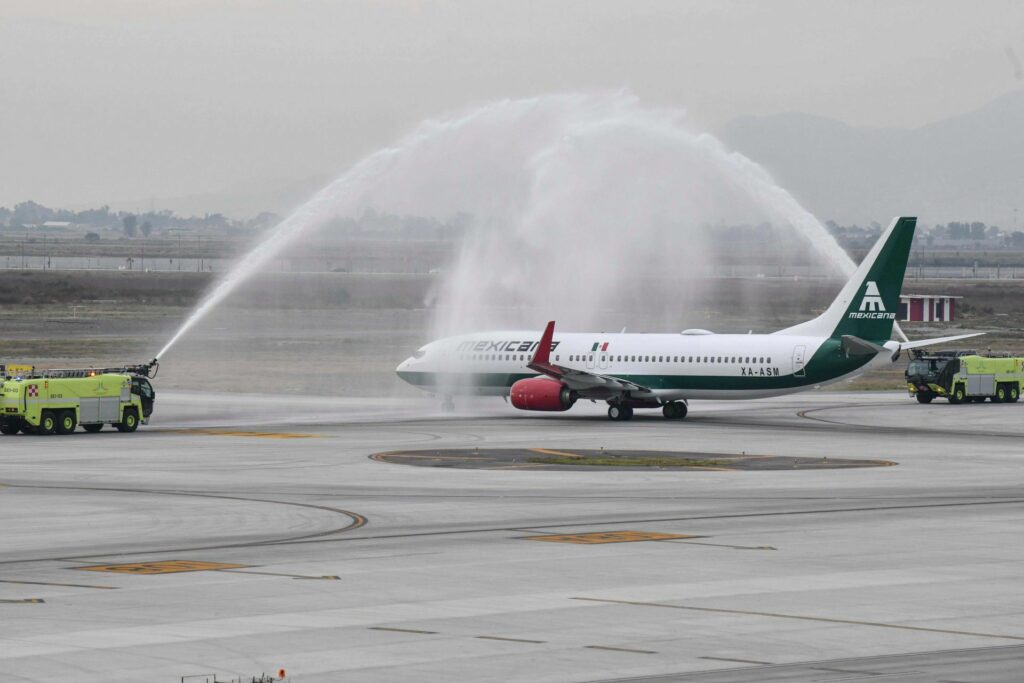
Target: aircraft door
799 358
603 358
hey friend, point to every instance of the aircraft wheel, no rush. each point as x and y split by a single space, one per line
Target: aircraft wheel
674 410
617 411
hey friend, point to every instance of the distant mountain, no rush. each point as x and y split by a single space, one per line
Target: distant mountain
969 167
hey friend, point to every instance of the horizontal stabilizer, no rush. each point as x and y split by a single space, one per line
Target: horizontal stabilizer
855 346
937 340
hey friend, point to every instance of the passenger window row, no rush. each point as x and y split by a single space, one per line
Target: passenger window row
580 358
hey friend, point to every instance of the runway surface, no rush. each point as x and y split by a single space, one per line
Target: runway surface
243 534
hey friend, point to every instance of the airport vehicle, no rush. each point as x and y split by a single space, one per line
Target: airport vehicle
57 401
965 377
631 371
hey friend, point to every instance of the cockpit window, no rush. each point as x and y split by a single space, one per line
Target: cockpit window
419 354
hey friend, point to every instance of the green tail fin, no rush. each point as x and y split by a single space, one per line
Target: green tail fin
866 307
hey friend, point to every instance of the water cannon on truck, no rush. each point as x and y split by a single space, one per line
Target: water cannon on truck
59 400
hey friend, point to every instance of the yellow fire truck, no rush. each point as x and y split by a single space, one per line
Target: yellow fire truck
57 401
965 377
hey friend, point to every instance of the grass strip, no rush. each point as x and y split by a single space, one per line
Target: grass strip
611 461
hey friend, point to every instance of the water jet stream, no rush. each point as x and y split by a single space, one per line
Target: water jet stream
571 194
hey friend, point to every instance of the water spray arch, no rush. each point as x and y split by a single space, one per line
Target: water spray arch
571 196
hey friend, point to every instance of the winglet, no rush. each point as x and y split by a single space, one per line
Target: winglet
543 353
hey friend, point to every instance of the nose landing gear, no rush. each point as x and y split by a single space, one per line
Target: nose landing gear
674 410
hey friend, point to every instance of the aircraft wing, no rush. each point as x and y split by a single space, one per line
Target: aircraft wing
578 380
938 340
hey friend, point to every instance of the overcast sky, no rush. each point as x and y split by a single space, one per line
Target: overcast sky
120 101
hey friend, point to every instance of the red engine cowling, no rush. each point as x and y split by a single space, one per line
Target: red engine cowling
541 393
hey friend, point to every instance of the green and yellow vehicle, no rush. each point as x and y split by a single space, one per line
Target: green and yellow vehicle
58 401
965 377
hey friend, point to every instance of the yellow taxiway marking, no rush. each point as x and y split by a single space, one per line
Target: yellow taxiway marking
607 537
27 601
258 435
164 567
564 454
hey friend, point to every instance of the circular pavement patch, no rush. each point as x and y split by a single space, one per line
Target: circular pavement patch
583 459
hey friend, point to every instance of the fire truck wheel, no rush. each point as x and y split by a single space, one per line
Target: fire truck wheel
1014 394
922 397
8 429
1000 396
92 429
959 394
66 423
129 422
47 423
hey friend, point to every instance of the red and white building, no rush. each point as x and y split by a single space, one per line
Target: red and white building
927 307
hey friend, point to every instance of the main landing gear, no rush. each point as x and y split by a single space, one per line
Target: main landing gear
619 411
673 410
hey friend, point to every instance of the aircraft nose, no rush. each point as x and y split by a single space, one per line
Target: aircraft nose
404 370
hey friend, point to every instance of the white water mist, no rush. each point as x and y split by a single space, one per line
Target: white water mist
572 197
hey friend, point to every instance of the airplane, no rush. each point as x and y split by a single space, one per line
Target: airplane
638 371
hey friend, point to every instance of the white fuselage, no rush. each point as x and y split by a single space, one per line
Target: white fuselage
675 366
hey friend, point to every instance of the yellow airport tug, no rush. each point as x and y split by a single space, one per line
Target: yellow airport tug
57 401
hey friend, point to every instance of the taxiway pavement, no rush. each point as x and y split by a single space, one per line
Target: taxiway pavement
243 534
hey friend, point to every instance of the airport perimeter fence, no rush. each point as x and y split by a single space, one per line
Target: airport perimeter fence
389 266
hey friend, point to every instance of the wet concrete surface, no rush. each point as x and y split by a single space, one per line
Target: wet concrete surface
240 534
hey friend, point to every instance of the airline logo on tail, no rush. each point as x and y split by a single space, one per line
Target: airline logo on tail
871 306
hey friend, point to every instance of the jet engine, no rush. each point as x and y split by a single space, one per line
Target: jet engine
542 393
